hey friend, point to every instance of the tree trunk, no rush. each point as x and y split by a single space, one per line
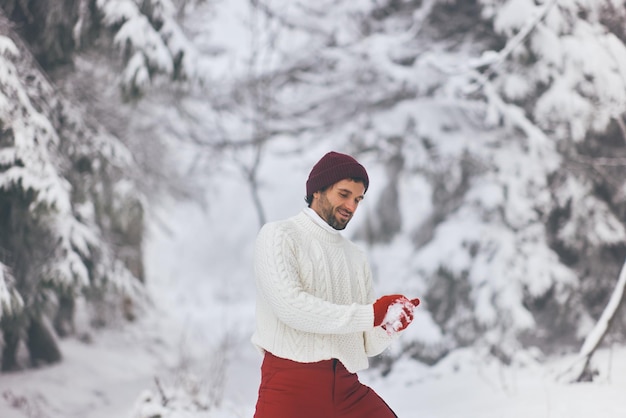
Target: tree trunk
9 351
595 337
42 344
64 318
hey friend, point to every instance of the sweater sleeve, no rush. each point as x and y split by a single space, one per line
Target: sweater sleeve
277 276
376 340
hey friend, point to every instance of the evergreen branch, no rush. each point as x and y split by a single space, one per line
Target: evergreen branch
518 39
487 66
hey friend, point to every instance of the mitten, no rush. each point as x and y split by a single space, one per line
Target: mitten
399 316
382 305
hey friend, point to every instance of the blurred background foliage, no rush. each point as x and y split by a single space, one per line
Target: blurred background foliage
496 127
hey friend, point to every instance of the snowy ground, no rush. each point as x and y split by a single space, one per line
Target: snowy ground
105 378
198 328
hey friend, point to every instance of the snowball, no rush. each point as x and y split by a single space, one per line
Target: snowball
395 313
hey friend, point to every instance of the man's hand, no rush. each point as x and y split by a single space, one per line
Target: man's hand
394 312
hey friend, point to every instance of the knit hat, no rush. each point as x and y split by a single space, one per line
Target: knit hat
334 167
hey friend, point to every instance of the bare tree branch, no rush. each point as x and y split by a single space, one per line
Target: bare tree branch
519 38
597 334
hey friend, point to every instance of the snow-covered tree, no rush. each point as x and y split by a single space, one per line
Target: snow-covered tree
64 201
142 37
150 41
494 124
131 65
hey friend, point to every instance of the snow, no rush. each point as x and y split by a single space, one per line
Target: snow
547 45
513 16
117 11
192 346
594 338
465 385
5 293
197 326
8 48
397 314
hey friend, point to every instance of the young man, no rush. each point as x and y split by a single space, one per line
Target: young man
317 321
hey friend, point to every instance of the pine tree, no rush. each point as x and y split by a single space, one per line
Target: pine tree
72 218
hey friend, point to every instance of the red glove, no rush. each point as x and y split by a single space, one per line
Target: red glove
381 307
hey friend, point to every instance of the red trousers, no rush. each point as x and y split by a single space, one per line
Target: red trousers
324 389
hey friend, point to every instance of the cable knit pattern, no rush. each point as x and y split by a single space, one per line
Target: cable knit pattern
314 295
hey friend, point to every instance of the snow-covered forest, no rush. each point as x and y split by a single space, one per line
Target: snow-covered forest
144 142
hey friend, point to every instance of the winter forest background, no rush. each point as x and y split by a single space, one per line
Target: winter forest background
494 132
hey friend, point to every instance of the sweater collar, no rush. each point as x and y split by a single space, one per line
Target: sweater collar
318 220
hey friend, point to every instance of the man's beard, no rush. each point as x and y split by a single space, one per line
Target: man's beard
332 221
328 214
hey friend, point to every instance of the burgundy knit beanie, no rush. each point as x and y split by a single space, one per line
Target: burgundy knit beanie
334 167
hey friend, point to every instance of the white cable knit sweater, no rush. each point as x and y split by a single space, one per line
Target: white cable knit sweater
314 295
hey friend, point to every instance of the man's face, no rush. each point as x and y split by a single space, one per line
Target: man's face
337 204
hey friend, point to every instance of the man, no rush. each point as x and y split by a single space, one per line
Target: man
317 321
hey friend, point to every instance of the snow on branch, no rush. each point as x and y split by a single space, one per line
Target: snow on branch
33 165
10 300
495 60
29 163
596 335
490 60
8 48
5 296
151 41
